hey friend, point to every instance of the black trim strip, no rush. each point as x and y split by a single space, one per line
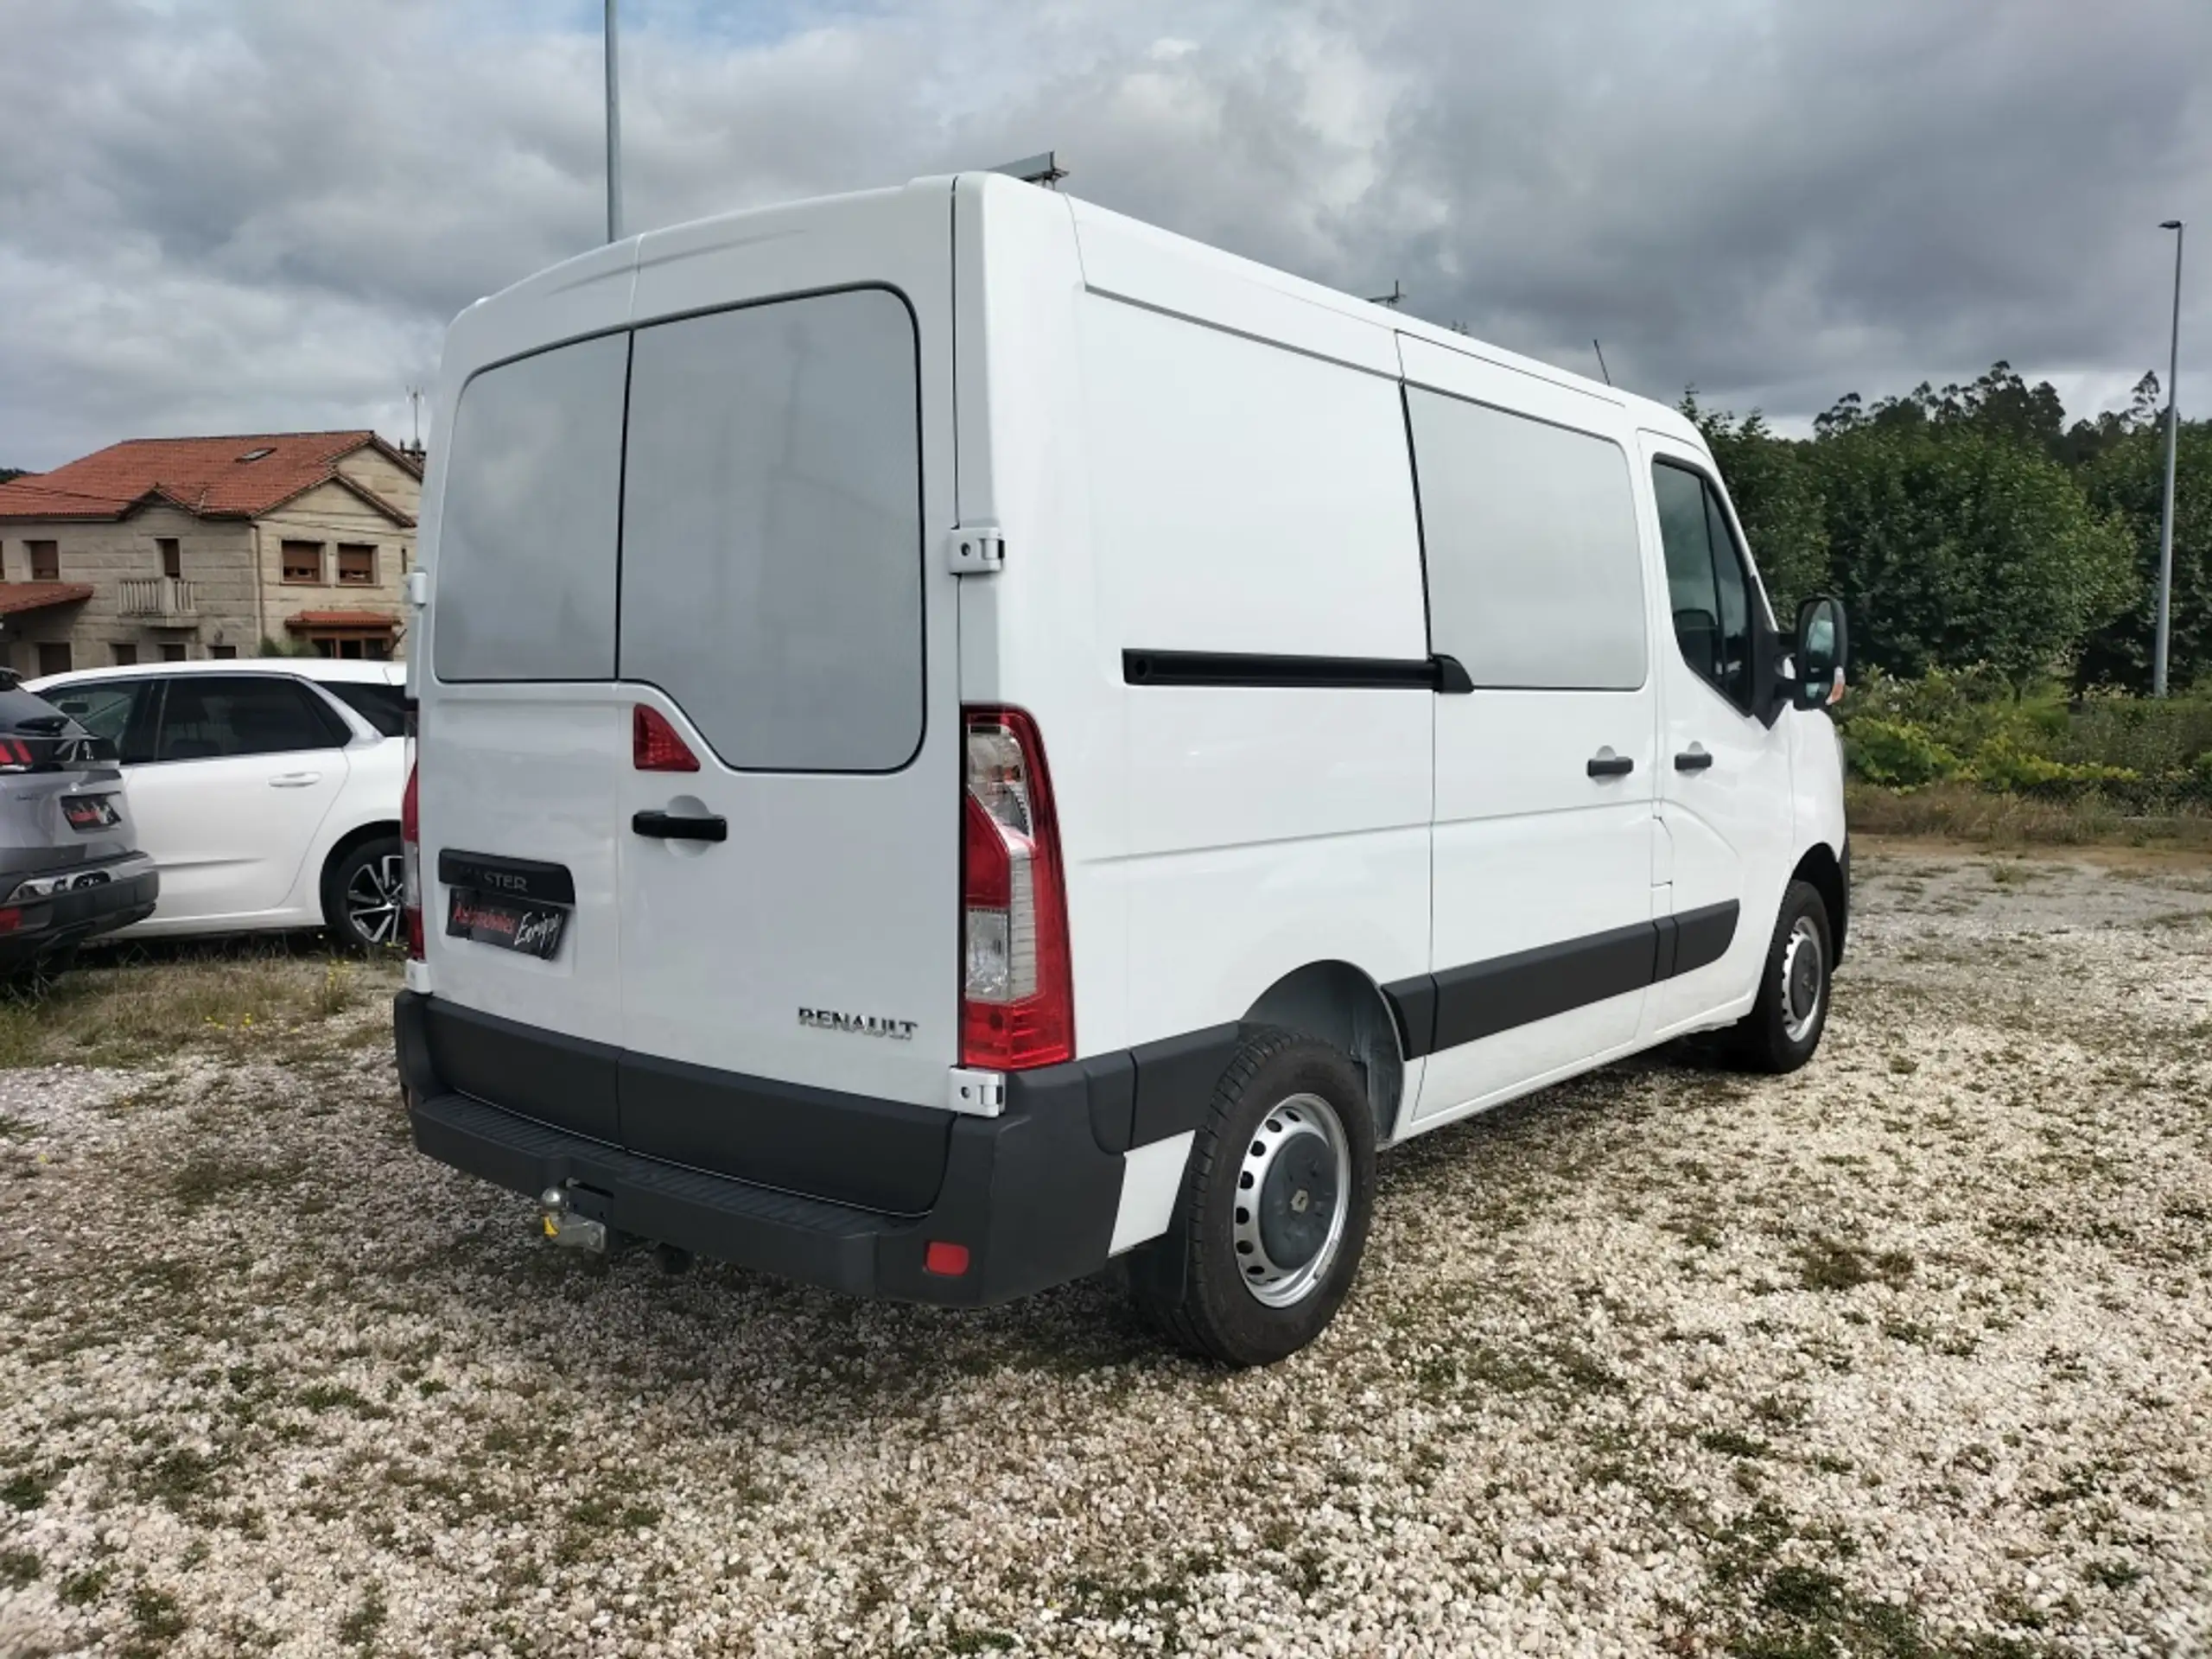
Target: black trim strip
517 878
1437 673
1465 1004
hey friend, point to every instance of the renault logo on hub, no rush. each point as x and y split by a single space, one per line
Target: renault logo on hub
861 1025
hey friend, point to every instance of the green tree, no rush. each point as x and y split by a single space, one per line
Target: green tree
1954 540
1777 497
2127 479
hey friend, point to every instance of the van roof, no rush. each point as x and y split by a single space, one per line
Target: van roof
597 263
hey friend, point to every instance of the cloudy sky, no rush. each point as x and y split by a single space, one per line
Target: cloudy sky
238 215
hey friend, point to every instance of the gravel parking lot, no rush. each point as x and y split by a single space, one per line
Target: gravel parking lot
1909 1354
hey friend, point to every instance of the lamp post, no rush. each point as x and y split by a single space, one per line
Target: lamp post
2166 520
613 133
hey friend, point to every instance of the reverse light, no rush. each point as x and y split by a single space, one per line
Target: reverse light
1017 1005
654 744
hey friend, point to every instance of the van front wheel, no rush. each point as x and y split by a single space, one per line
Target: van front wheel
1274 1212
1783 1027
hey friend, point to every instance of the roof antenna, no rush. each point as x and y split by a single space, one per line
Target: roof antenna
1044 169
414 403
1393 299
1602 369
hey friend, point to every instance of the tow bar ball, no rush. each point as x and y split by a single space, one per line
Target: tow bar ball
567 1229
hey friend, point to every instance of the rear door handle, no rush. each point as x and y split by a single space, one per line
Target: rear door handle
295 780
1606 764
1694 760
667 826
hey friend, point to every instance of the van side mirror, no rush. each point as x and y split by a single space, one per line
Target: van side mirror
1821 643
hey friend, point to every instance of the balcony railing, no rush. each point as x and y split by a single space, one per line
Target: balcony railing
157 599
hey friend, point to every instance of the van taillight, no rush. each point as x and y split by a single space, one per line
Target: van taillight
1017 1003
411 866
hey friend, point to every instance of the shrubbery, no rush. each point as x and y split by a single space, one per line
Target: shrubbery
1969 727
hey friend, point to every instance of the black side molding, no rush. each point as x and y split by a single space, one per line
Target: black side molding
1465 1004
1438 673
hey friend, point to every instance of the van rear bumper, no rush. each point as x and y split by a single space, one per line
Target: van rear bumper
1030 1194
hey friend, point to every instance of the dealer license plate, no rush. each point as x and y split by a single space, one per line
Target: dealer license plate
534 929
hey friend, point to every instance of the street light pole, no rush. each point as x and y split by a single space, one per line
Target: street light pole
613 132
2166 520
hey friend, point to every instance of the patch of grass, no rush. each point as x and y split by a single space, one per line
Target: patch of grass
156 1621
359 1627
1829 1264
218 1177
19 1567
179 1478
328 1397
1731 1444
150 1003
1962 812
2113 1575
83 1589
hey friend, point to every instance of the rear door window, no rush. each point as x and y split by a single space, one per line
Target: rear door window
385 707
772 536
215 716
527 525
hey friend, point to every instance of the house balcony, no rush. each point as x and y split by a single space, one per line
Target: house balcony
158 601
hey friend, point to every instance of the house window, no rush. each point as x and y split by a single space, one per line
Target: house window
357 564
173 651
304 562
223 653
54 658
171 556
125 656
46 561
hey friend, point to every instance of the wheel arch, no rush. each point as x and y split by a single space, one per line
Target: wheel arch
1339 1004
1819 867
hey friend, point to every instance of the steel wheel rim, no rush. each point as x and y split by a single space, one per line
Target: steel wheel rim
1296 1144
373 899
1804 988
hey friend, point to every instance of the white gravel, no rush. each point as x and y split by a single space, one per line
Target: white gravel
1909 1354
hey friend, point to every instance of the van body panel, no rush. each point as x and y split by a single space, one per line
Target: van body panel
1731 837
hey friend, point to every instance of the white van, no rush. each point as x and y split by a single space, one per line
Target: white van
964 738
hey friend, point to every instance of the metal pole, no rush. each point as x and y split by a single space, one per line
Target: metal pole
614 132
2166 519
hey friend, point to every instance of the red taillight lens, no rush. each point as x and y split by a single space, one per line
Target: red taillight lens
654 746
10 918
1017 1005
945 1260
14 755
411 866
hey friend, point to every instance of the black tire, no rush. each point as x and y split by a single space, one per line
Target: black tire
1784 1026
357 924
1204 1281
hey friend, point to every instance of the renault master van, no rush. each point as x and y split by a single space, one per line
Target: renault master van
964 738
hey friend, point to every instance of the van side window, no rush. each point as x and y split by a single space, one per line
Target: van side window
1535 574
772 533
1706 589
526 539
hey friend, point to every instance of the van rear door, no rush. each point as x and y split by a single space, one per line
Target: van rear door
790 908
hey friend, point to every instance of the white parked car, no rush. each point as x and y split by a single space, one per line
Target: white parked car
266 789
965 737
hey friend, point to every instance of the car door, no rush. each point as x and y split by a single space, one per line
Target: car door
1542 937
1724 780
239 773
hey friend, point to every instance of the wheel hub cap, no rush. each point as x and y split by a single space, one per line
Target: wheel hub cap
1289 1220
1802 980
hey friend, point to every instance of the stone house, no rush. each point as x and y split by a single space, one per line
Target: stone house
172 549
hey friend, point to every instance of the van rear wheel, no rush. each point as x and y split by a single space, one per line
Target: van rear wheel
1274 1212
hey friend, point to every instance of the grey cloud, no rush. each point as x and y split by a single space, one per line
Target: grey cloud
262 213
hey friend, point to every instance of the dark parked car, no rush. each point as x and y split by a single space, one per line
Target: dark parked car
70 868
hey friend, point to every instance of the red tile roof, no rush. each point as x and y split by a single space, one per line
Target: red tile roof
37 595
341 620
209 477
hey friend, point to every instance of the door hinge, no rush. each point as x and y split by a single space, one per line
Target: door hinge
979 1093
418 589
976 551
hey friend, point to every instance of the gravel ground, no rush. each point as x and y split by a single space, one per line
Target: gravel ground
1909 1354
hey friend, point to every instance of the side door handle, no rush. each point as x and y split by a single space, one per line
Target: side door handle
295 780
1693 758
1606 764
667 826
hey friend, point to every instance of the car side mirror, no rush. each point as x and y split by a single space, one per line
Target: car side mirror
1819 652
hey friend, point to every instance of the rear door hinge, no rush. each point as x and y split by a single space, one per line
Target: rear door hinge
976 551
978 1094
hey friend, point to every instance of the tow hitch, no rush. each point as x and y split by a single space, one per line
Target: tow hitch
564 1227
